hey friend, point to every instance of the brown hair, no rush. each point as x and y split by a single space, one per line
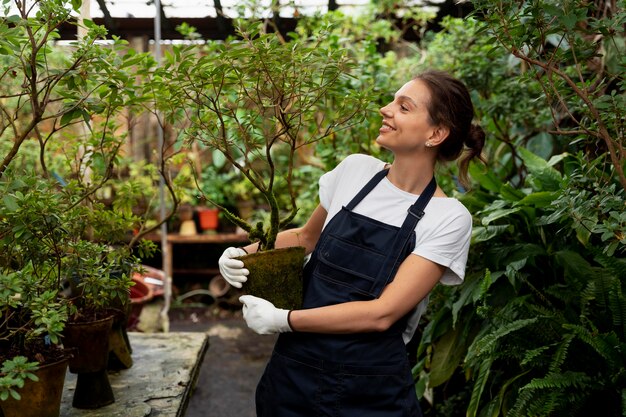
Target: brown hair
451 106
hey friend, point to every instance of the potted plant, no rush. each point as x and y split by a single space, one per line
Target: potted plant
32 265
258 100
61 142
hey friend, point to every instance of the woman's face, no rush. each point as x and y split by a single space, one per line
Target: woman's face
406 123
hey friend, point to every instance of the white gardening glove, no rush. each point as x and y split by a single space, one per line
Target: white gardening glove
262 317
232 269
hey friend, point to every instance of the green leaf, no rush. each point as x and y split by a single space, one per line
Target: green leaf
508 193
485 178
484 233
479 386
539 199
549 178
10 202
498 214
71 115
448 353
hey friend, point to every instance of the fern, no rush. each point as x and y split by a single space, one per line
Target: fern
524 398
561 353
560 381
608 351
616 266
488 343
532 354
617 305
543 396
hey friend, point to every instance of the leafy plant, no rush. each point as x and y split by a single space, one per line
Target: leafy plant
259 99
14 373
538 325
60 144
532 330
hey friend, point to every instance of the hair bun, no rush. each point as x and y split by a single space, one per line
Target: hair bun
475 139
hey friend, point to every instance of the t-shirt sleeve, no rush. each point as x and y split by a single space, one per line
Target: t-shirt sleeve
328 183
448 244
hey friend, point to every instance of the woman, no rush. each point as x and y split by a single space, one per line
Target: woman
381 238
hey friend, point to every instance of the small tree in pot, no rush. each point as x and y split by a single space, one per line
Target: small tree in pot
260 99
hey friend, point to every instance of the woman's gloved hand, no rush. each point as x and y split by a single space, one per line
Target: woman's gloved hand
262 317
232 269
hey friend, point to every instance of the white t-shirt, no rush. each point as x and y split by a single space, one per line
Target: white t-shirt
442 235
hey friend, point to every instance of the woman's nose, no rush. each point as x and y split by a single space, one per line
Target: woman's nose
385 111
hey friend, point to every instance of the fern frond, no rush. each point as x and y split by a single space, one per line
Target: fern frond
616 266
544 405
521 404
560 381
561 353
532 354
607 349
488 343
587 296
617 305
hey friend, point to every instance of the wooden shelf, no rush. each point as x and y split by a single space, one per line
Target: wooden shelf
203 266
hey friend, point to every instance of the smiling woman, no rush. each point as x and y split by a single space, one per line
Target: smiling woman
382 237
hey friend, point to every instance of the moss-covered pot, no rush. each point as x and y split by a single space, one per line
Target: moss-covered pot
276 275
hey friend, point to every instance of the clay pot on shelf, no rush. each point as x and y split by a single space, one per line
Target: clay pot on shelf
208 218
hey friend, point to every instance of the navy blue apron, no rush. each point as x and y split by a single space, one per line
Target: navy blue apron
347 375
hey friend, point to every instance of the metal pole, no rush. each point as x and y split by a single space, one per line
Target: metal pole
164 247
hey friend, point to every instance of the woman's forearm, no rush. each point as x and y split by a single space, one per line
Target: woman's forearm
352 317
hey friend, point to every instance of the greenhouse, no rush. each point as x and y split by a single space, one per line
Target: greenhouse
312 208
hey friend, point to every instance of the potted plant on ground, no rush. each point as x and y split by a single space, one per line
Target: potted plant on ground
258 100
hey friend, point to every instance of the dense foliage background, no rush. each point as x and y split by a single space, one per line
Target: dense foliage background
538 327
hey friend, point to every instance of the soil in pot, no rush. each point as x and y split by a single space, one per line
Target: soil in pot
276 276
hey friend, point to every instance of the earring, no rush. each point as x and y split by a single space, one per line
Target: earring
429 144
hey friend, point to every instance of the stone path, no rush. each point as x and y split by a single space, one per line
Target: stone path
232 365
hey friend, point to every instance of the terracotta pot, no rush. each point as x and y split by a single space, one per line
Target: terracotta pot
39 398
208 218
140 294
276 276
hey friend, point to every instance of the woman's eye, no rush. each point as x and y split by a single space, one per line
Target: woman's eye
404 108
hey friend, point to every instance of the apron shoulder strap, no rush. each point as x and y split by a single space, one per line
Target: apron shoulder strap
415 214
416 211
367 188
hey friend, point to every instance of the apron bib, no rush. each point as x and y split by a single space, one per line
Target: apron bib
347 375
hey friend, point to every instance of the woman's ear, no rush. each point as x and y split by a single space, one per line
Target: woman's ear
440 133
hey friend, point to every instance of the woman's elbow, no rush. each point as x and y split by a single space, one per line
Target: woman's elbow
383 323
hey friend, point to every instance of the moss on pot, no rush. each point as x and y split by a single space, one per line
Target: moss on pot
276 275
